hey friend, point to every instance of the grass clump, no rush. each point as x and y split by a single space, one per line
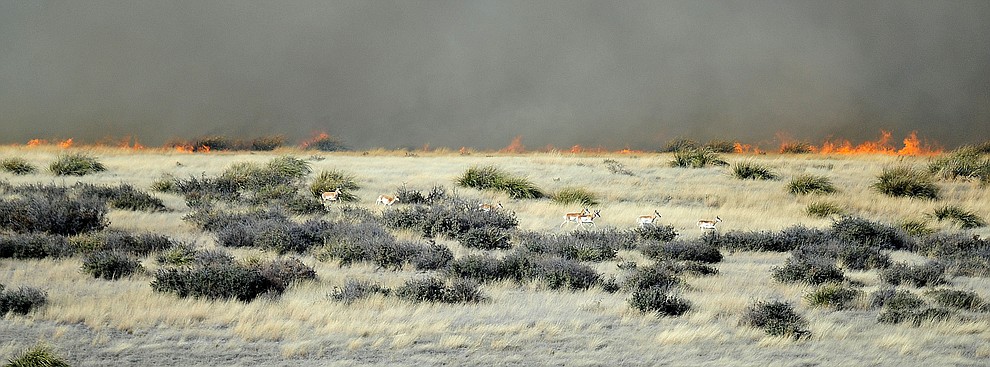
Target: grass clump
823 209
110 265
494 179
37 356
966 219
22 300
900 306
328 181
572 195
34 246
776 318
812 270
834 296
811 184
916 227
906 182
679 145
795 148
697 158
957 299
354 290
17 166
616 167
721 146
660 300
963 163
753 171
77 164
433 289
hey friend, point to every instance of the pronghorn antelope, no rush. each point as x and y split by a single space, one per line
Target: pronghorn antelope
649 219
330 197
589 218
709 224
488 207
387 200
573 217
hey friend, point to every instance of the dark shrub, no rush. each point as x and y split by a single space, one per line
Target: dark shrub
483 268
325 143
124 197
795 148
906 306
22 300
558 273
869 233
431 289
283 272
409 196
679 144
660 300
207 188
965 300
219 281
811 184
928 274
267 143
906 181
833 295
433 257
38 356
823 209
883 295
179 254
662 233
721 146
213 143
451 219
788 239
53 212
965 219
657 275
485 238
683 250
17 166
813 270
753 171
861 257
962 255
601 245
208 258
77 164
142 244
493 178
776 318
616 167
110 265
34 246
354 290
571 195
690 267
697 158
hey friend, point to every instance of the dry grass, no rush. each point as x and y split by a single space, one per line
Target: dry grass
91 321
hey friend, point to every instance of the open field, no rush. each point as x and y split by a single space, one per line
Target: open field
91 321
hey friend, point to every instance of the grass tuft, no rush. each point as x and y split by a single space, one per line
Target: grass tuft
966 219
494 179
328 181
17 166
811 184
906 182
824 209
753 171
76 165
697 158
571 195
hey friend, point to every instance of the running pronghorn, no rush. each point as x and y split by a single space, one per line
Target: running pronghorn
387 200
330 197
649 219
488 207
573 217
709 224
589 218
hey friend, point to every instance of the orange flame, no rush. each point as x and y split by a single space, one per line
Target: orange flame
745 149
65 143
36 142
515 146
316 138
912 146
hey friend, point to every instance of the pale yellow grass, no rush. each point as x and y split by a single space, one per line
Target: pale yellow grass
521 324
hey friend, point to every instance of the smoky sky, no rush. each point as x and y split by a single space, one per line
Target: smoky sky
478 73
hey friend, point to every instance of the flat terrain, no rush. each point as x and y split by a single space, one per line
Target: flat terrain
92 322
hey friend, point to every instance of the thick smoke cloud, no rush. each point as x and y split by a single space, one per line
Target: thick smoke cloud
478 73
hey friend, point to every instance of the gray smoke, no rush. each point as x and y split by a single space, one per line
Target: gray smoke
477 73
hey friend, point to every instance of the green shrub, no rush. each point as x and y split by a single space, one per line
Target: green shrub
17 166
966 219
966 162
22 300
871 233
493 178
52 212
929 274
965 300
34 246
696 158
795 148
180 254
217 281
328 181
721 146
77 164
354 290
812 270
753 171
811 184
110 265
660 300
679 145
907 182
916 227
432 289
572 195
824 209
662 233
37 356
485 238
833 295
124 197
683 251
776 318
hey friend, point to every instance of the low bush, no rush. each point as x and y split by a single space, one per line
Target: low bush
432 289
966 163
76 164
753 171
721 146
795 148
124 197
776 318
824 209
214 282
180 254
22 300
433 257
870 233
409 196
931 273
557 272
786 240
862 257
34 246
657 275
683 250
53 211
964 218
283 272
332 180
213 143
483 268
37 356
599 245
906 182
916 227
577 195
450 218
697 158
903 306
616 167
485 238
326 143
957 299
660 300
494 179
811 184
679 144
812 270
962 255
662 233
17 166
110 265
267 143
833 295
354 290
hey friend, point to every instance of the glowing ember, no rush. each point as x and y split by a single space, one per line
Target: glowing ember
515 147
